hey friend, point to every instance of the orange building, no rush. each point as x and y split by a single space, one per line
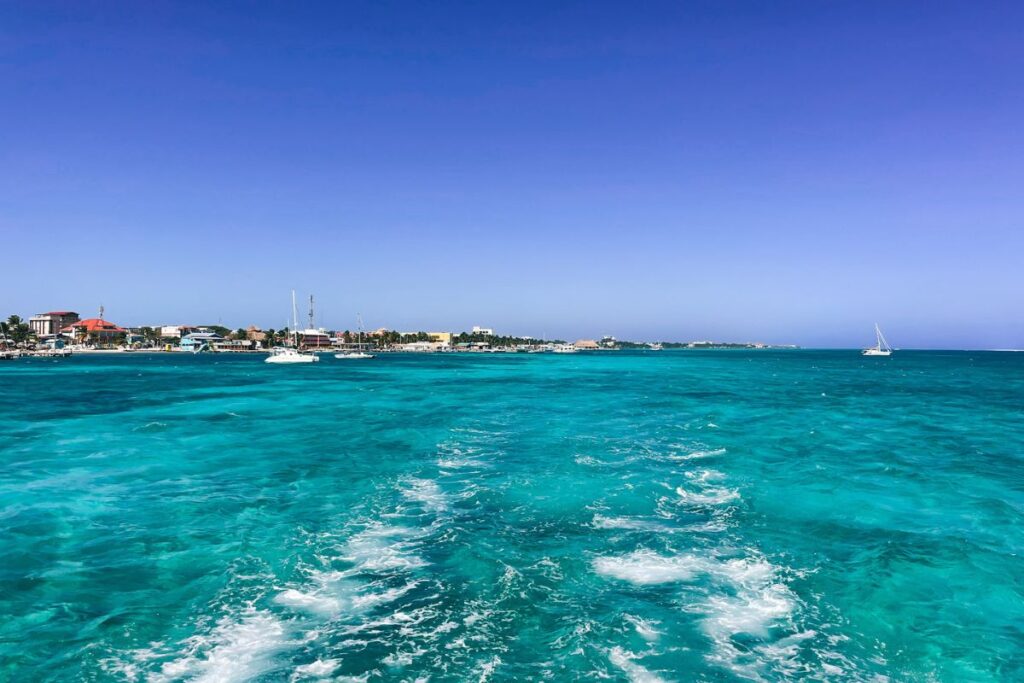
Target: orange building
94 329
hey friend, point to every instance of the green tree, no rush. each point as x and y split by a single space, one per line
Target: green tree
150 335
219 330
241 333
17 330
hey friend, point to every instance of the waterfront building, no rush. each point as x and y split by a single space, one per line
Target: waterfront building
486 331
317 338
134 336
234 345
200 341
49 324
422 347
96 330
472 346
255 334
444 338
586 345
176 331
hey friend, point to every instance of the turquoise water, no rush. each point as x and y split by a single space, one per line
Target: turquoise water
691 516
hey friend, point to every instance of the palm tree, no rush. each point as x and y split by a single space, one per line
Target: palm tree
18 330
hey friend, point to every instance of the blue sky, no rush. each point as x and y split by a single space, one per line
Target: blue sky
784 172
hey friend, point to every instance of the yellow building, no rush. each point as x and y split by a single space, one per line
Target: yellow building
442 337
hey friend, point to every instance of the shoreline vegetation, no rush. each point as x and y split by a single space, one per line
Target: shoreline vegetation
95 335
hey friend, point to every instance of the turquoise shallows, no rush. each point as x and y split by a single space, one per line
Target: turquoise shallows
690 516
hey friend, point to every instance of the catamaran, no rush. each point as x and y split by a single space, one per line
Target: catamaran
881 347
358 352
286 354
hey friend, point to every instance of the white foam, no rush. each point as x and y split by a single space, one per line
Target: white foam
644 628
745 597
236 650
380 547
368 600
454 463
124 670
321 668
402 659
629 524
704 476
747 571
427 493
488 668
644 567
324 605
454 457
636 673
700 455
756 602
751 611
710 496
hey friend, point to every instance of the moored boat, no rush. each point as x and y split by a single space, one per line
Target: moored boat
881 347
286 355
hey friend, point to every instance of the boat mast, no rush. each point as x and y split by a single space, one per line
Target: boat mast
882 343
295 320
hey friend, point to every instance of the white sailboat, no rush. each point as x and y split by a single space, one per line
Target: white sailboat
358 353
881 347
288 354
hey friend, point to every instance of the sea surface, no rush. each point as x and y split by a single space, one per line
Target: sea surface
630 516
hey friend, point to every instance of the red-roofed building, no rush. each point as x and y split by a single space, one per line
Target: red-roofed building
94 329
48 324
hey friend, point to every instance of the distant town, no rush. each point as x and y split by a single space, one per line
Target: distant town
61 333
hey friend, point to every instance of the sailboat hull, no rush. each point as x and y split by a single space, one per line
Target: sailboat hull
289 357
875 352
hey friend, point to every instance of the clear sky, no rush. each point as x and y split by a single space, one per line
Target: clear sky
782 172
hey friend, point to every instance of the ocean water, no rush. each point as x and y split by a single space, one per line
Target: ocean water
689 516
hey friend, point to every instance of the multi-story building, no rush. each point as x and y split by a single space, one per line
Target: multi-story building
200 341
49 324
255 334
314 338
486 331
176 331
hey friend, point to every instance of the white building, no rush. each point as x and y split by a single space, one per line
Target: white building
423 347
46 324
176 331
486 331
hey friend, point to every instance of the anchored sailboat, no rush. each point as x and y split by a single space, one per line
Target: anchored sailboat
359 352
881 347
286 354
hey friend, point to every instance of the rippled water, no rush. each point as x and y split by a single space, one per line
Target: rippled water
625 516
